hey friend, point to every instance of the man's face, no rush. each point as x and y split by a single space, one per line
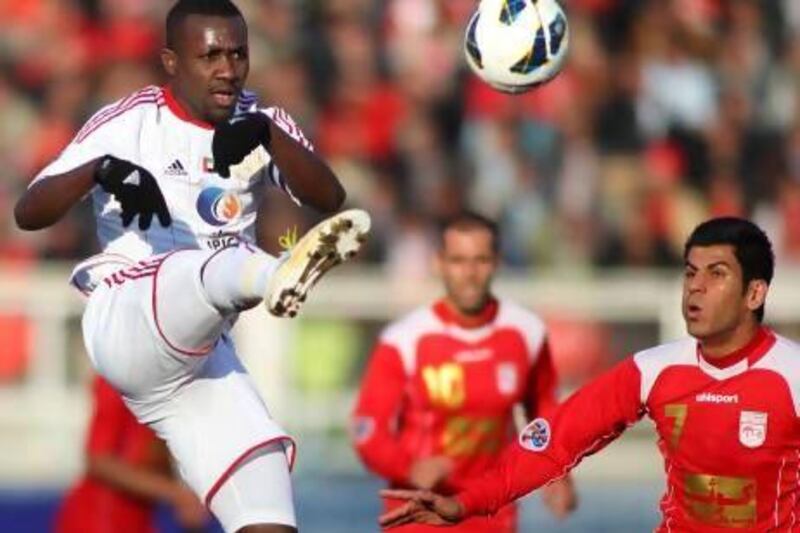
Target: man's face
466 264
715 302
209 65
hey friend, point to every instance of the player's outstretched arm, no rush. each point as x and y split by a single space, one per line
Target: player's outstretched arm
49 199
309 178
134 188
547 449
421 507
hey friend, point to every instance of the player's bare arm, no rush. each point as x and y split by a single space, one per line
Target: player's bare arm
47 200
149 485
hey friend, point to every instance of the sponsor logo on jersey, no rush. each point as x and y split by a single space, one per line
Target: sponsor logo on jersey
506 378
175 169
536 435
752 428
222 239
709 397
218 206
469 355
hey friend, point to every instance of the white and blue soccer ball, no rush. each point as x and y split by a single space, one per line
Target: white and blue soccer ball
515 45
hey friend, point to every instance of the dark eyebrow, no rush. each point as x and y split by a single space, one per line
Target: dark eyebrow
688 264
214 49
719 263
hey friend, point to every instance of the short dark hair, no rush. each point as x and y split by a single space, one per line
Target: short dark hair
466 220
751 246
183 8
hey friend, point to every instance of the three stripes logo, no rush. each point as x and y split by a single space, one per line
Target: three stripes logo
175 169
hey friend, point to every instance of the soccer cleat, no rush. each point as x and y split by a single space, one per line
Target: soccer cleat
326 245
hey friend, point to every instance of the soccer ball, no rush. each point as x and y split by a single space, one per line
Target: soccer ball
515 45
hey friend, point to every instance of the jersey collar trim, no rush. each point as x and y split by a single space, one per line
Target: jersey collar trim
449 315
179 111
739 360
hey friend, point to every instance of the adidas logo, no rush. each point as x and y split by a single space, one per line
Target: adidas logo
175 169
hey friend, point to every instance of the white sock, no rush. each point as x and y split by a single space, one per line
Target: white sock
236 278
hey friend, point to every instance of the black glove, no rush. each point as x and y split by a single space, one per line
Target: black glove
236 138
135 189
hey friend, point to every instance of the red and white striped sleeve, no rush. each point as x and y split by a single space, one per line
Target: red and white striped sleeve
550 447
284 121
114 130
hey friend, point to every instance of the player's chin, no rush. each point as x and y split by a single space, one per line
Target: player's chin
697 329
218 113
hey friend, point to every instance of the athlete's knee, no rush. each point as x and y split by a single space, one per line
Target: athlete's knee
268 528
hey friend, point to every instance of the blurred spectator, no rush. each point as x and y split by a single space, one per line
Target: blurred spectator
383 89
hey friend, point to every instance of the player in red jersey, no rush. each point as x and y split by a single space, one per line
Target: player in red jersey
128 474
724 401
436 403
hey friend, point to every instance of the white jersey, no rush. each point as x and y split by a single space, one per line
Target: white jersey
149 128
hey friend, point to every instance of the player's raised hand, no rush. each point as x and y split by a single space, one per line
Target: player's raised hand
560 497
135 189
236 139
421 507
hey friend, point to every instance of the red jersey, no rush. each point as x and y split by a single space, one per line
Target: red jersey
436 386
728 431
92 506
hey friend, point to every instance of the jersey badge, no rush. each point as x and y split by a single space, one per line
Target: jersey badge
362 428
218 207
176 169
536 435
752 428
506 378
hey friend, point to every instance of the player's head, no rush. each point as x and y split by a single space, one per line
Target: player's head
728 268
206 56
467 260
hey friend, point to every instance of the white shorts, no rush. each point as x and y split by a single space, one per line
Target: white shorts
150 332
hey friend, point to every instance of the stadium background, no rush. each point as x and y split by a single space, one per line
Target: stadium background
668 111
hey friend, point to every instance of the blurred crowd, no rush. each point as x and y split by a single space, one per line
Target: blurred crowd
667 112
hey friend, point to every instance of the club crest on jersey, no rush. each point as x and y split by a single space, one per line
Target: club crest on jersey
752 428
218 206
536 435
506 378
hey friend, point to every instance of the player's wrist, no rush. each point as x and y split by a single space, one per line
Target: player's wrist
103 169
466 504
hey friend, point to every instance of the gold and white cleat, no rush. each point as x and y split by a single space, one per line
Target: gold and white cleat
324 246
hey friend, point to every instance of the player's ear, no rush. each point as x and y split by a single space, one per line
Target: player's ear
169 59
756 293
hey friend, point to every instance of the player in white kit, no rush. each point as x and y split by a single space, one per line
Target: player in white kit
196 155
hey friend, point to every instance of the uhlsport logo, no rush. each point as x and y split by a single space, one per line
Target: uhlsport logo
218 206
536 435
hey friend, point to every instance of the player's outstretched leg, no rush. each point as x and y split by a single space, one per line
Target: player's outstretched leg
326 245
